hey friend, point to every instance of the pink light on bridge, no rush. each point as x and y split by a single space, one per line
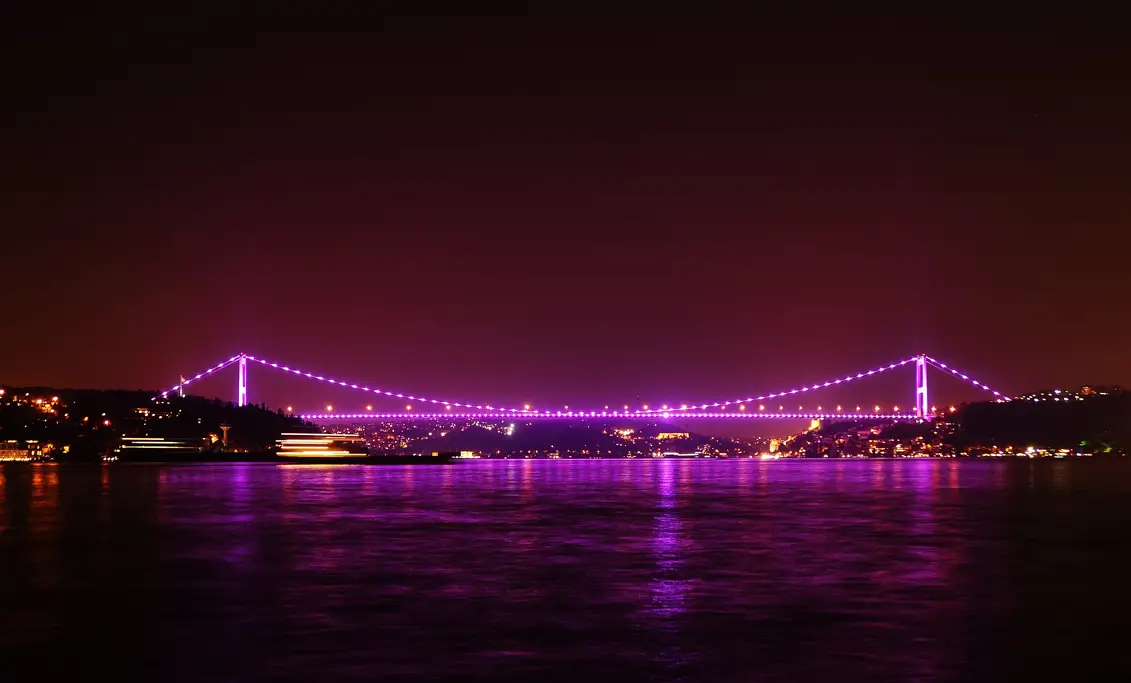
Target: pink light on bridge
620 415
373 390
185 382
799 390
945 368
685 410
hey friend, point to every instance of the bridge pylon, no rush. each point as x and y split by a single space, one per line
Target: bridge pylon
241 387
922 403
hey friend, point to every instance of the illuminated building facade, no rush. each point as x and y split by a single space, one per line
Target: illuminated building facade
15 451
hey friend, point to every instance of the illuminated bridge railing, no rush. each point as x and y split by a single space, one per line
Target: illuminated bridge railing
600 415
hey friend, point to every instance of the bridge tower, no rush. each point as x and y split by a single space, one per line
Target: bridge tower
241 388
922 404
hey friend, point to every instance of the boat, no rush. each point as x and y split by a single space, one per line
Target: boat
696 454
270 456
303 448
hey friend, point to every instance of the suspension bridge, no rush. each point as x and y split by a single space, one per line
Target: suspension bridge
747 408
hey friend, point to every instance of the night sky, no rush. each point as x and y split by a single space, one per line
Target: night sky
564 209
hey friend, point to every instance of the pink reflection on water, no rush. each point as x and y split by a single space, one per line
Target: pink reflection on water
668 589
709 570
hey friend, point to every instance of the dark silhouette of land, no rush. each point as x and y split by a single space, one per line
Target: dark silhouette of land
1099 424
91 422
1086 423
87 424
581 440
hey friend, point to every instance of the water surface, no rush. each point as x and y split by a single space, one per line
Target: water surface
568 571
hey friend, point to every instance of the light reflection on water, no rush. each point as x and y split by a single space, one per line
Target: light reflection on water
651 570
668 585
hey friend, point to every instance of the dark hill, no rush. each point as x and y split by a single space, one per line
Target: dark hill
1095 424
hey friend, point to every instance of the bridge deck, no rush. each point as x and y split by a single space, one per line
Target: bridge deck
608 415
